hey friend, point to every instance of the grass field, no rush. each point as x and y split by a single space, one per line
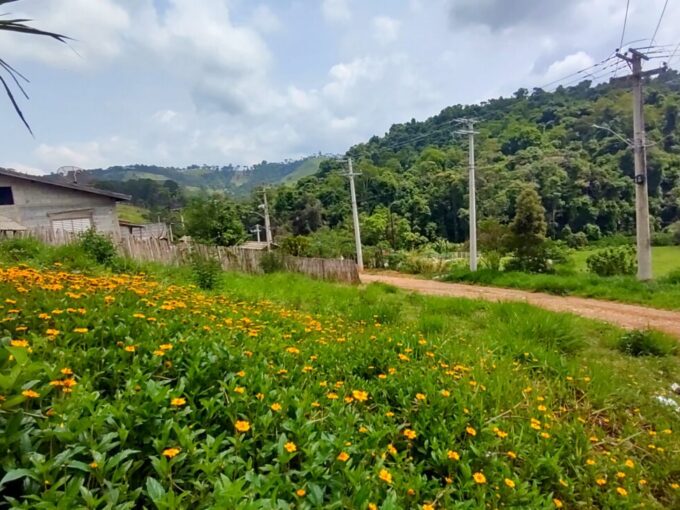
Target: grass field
281 392
131 213
665 259
662 292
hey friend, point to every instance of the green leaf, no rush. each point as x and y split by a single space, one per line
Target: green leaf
15 474
155 490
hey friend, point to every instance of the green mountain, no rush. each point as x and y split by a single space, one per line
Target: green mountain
236 180
413 186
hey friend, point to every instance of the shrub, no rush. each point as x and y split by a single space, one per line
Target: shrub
99 247
646 343
592 232
272 262
298 246
675 231
492 260
18 249
206 271
613 261
577 240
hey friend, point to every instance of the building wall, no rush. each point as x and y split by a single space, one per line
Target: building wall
36 204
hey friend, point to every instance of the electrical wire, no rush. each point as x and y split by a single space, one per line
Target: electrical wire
625 20
674 52
581 71
663 11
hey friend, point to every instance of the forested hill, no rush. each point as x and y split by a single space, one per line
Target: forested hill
237 180
414 185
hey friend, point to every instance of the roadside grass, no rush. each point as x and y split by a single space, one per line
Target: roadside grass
132 213
663 292
665 259
278 391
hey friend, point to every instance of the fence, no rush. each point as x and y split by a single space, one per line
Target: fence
231 259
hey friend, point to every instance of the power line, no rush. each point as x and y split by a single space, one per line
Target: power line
625 20
674 52
663 11
581 71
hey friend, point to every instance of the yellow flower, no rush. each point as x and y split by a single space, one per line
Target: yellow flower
240 390
343 457
445 393
471 431
453 455
66 371
178 401
93 465
242 426
290 447
545 435
30 394
428 506
675 486
410 434
391 449
19 343
620 474
509 483
361 396
600 481
385 476
500 433
300 493
479 477
590 462
512 455
420 396
275 407
52 332
130 348
372 506
166 347
171 452
622 492
629 464
557 503
332 396
80 330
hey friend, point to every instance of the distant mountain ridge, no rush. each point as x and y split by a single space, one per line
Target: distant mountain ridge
237 180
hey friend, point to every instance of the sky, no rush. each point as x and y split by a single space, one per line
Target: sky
180 82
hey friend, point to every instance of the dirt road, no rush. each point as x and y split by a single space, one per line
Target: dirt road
623 315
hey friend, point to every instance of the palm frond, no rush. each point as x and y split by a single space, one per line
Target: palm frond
16 106
19 25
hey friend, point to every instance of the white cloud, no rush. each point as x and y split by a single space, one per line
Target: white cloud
385 29
265 20
568 65
336 10
96 27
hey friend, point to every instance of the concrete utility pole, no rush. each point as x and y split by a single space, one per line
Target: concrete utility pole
472 208
257 231
267 224
355 215
644 245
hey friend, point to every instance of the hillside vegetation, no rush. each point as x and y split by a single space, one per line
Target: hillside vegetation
280 392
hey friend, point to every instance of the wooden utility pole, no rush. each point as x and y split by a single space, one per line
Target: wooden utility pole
643 236
472 208
267 224
355 215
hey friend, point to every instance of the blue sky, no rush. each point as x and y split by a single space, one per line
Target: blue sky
176 82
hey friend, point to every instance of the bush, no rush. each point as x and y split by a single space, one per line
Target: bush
663 238
206 271
592 232
99 247
674 229
646 343
492 260
298 246
613 261
577 240
18 249
272 262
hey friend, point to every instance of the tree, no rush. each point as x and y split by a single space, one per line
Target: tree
19 26
529 233
214 220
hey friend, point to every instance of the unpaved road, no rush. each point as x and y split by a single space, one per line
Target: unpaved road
623 315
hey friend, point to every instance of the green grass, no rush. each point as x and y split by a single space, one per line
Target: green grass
431 393
662 293
665 259
132 213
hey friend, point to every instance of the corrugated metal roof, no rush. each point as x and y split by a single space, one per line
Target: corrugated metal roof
78 187
9 224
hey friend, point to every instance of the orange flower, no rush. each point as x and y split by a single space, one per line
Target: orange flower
385 476
242 425
171 452
276 407
509 483
130 348
19 343
290 447
66 371
178 401
558 503
479 478
471 431
30 394
300 493
410 434
453 455
343 457
359 395
80 330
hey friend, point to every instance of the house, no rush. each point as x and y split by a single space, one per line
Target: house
29 202
144 231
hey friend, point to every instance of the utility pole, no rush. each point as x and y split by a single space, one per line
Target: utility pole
355 215
472 208
644 245
257 231
267 224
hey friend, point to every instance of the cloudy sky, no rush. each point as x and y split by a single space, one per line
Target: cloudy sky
176 82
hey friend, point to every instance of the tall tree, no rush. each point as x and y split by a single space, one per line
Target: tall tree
9 73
